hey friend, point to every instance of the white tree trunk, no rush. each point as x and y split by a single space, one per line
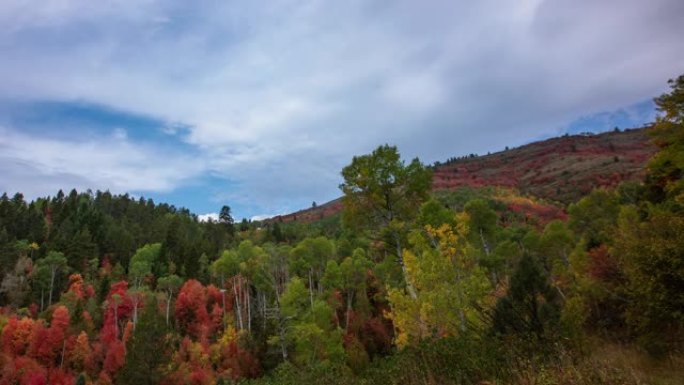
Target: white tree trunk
237 304
52 283
169 296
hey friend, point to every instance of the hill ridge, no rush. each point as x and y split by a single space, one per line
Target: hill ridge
559 169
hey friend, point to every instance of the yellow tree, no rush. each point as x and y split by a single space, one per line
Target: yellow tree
450 285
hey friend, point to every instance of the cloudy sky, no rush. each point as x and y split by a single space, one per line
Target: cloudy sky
259 104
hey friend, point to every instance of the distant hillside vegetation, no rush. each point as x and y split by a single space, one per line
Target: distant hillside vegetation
560 169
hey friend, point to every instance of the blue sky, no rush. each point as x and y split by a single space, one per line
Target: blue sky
258 105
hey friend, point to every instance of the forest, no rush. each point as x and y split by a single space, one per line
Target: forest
472 285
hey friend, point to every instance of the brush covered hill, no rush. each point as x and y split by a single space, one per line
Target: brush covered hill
561 169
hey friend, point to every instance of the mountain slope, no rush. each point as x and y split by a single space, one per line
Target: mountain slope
559 169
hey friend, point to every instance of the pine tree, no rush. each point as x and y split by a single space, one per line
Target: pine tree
148 349
531 307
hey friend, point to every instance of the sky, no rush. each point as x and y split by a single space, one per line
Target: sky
259 104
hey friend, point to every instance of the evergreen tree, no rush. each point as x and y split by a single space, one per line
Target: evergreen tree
531 307
147 350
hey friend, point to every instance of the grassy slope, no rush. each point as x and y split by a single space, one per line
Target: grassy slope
560 169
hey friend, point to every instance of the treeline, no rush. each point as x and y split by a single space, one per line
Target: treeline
90 229
403 288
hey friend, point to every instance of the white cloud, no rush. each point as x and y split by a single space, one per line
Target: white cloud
278 96
207 217
261 217
40 166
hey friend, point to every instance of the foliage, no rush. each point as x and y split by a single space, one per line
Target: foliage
450 287
666 169
148 349
474 285
531 308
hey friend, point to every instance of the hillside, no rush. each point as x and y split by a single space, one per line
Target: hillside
559 169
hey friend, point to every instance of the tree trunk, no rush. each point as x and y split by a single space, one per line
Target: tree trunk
350 298
61 362
135 312
311 287
168 305
249 310
52 282
283 347
281 327
409 286
116 320
484 243
263 309
461 313
237 304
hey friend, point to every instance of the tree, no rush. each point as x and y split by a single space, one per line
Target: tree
531 307
226 219
169 284
309 328
225 215
52 263
651 255
450 286
309 258
142 262
148 350
228 266
15 285
594 216
482 221
353 271
666 169
382 193
191 309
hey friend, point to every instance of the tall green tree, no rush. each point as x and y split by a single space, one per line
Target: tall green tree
382 194
52 264
142 263
531 308
169 285
666 169
309 258
148 350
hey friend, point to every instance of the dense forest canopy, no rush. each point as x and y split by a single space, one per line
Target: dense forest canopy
474 285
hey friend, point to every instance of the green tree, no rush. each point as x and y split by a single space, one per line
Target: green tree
228 266
309 259
170 285
226 220
81 380
309 328
142 262
651 253
148 350
382 194
53 263
531 307
595 216
666 169
482 222
353 271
